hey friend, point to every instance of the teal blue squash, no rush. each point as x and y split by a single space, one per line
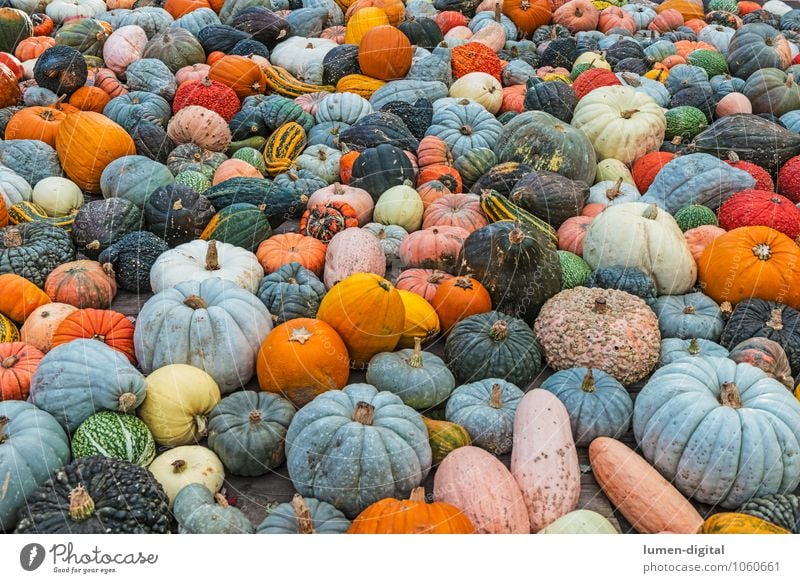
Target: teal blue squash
196 20
32 447
291 292
693 315
721 433
673 349
114 435
198 511
486 409
131 107
420 378
246 430
77 379
409 91
289 193
342 107
597 403
241 224
354 447
449 123
780 509
33 160
304 516
153 76
628 279
493 345
134 178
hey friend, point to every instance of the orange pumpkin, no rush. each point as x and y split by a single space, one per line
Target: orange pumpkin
757 262
432 191
362 22
41 325
455 210
10 92
528 15
18 362
107 326
235 168
178 8
35 123
213 57
687 8
412 516
593 209
240 74
106 80
385 53
572 232
615 17
279 250
89 98
359 84
302 358
666 20
433 151
696 24
513 99
19 297
3 213
746 7
346 165
395 10
83 284
701 237
684 47
447 175
33 46
459 298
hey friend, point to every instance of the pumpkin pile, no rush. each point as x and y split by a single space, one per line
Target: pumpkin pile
460 238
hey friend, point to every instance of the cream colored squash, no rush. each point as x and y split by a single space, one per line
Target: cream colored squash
613 192
178 400
198 260
612 169
596 60
481 87
189 464
60 10
400 205
580 522
13 187
57 196
620 123
636 234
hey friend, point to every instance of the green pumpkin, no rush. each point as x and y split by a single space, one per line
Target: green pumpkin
132 257
473 164
15 26
712 62
32 447
701 423
550 196
493 345
685 121
250 190
289 193
628 279
246 430
99 223
673 349
193 157
597 403
85 35
114 435
177 214
77 379
252 157
772 91
574 270
34 249
693 315
695 215
730 6
324 434
420 379
194 180
198 511
780 509
134 178
304 516
291 292
241 224
176 48
486 409
277 111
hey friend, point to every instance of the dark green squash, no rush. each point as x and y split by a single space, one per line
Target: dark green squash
85 35
475 163
757 46
780 509
177 214
416 116
242 224
421 32
339 62
151 140
288 196
15 26
132 257
34 249
277 111
250 190
378 128
6 114
493 345
560 52
263 24
466 7
193 157
249 47
99 223
82 499
502 177
550 196
378 169
628 279
291 292
130 108
517 264
554 97
220 37
247 123
624 49
61 69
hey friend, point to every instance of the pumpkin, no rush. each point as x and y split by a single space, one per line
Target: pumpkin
35 123
352 488
8 330
238 323
412 516
693 315
779 509
362 22
41 324
177 214
291 292
99 223
240 74
353 251
400 205
292 247
527 15
765 252
757 46
480 87
61 69
577 16
132 257
359 200
760 207
304 516
550 196
434 247
116 436
597 404
134 178
445 437
246 430
737 523
421 321
455 210
580 522
458 298
715 389
188 464
384 53
673 349
324 220
34 249
572 232
18 362
544 460
625 338
765 354
486 409
11 93
198 511
19 297
107 326
83 284
423 282
179 399
198 125
378 169
210 94
75 380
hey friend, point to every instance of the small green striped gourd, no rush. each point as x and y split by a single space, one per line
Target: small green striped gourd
498 208
685 121
283 147
252 157
197 181
711 62
114 435
574 270
242 224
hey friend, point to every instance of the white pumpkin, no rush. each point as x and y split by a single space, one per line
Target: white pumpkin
400 205
60 10
13 187
57 196
611 192
620 123
637 234
27 68
481 87
302 57
596 60
776 7
322 160
199 260
353 251
188 464
612 169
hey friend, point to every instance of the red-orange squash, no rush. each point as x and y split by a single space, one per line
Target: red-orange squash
19 297
528 15
89 98
35 123
458 298
83 284
18 362
241 74
433 248
285 248
455 210
107 326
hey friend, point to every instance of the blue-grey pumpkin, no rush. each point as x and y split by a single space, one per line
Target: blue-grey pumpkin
304 516
673 349
628 279
134 178
128 109
198 511
291 292
693 315
153 76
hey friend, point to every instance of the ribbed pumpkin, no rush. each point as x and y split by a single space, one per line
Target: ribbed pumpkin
18 362
87 142
433 248
288 247
458 298
528 15
9 88
385 53
19 297
423 282
200 126
362 22
83 284
395 10
210 94
35 123
107 326
241 74
412 516
455 210
750 208
283 147
757 262
368 314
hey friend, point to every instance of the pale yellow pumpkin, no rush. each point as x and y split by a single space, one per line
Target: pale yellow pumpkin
189 464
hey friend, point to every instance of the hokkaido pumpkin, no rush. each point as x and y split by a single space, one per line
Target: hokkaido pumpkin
107 326
395 10
18 362
83 284
385 53
19 297
35 123
362 22
458 298
528 15
288 247
90 99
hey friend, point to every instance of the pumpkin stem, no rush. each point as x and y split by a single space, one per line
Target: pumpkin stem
578 12
195 302
496 398
600 305
417 495
12 238
614 191
212 257
628 113
733 157
499 331
516 236
3 423
302 515
689 310
651 212
694 347
81 505
726 308
497 11
178 466
93 245
415 360
775 319
47 115
762 251
221 501
255 416
101 338
108 269
202 426
587 386
385 285
463 282
10 361
126 401
729 396
177 205
364 413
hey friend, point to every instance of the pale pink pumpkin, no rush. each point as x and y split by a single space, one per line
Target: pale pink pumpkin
493 35
200 126
334 33
123 47
577 16
593 209
310 101
196 72
359 199
235 168
353 251
455 210
458 32
615 17
572 232
732 104
701 237
433 248
423 282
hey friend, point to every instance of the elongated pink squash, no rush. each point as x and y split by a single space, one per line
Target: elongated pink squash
476 482
544 460
649 502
